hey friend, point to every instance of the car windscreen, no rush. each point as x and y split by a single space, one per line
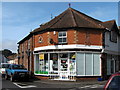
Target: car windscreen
115 83
5 65
18 67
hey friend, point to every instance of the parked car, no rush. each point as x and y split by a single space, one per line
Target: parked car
113 83
16 72
4 66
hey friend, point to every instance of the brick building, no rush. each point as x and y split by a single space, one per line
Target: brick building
72 46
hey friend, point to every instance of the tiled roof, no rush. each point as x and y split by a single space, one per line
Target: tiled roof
109 24
71 18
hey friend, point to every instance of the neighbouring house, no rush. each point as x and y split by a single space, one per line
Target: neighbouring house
72 46
13 59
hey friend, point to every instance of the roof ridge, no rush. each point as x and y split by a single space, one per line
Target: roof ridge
109 21
73 17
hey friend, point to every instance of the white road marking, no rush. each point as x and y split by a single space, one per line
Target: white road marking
27 86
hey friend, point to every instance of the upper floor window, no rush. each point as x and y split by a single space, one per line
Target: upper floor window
113 36
62 37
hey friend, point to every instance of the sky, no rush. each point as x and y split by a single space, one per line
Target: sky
20 18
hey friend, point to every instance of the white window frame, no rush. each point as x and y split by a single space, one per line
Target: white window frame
62 37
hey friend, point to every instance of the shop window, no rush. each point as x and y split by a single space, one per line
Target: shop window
64 62
72 62
37 62
62 37
43 64
53 62
88 64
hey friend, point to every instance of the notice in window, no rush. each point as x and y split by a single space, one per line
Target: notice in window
41 56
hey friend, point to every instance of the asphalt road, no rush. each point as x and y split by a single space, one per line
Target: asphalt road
54 85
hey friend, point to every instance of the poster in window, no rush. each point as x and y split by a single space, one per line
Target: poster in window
41 56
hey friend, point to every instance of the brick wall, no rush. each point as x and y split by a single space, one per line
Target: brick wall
85 37
25 59
89 37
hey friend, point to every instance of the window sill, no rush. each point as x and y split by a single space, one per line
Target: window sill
62 43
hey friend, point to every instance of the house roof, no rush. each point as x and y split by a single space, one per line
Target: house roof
71 18
12 57
109 24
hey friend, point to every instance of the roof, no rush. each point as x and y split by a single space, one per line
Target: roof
71 18
12 57
109 24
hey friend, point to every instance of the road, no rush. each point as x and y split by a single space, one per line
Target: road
8 85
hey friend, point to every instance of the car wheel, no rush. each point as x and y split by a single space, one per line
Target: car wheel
11 78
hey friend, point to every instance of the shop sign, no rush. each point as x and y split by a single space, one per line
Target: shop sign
41 56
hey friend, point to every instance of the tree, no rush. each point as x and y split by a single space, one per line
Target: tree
6 52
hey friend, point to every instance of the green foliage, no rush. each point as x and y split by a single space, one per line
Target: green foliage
7 52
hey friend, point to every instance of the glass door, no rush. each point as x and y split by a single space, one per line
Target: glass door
63 62
63 73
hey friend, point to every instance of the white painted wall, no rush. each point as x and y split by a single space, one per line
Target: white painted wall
111 47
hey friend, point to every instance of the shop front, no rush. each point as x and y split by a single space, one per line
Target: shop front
67 65
58 66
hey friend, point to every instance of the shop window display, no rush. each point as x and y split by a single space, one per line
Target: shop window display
43 64
72 62
53 62
64 62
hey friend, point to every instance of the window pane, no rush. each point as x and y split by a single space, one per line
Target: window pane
64 33
60 34
37 63
80 61
46 62
60 40
96 64
64 39
88 62
53 62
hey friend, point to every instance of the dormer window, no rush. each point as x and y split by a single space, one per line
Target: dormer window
62 37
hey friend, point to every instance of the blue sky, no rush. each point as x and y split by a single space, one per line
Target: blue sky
19 18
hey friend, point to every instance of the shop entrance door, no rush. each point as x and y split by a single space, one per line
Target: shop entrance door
63 70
